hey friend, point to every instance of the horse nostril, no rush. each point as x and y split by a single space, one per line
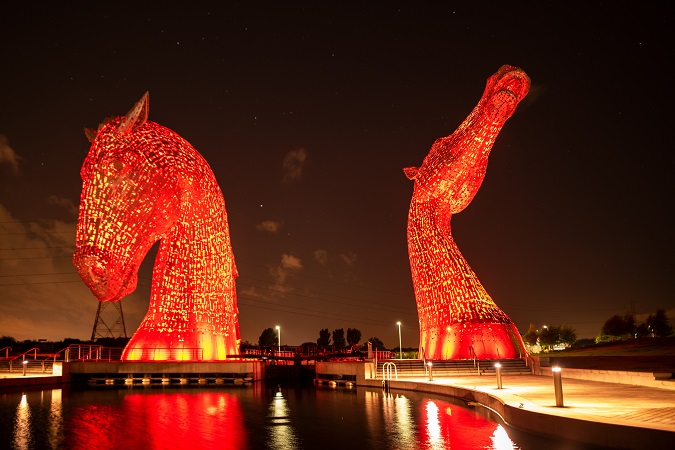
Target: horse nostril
97 270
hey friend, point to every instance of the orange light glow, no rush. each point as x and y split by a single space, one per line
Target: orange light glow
458 318
143 183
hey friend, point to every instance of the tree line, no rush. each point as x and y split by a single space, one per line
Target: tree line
620 327
337 340
617 327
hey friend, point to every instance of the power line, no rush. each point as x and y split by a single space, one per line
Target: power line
331 316
39 274
319 294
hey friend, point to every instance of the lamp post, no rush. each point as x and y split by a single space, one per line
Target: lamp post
279 337
24 363
400 348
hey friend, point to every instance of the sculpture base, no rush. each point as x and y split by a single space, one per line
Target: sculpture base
477 340
149 345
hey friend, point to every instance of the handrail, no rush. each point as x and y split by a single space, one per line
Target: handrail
54 355
34 350
7 350
386 371
89 349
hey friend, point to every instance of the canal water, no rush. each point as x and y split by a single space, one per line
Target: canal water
255 416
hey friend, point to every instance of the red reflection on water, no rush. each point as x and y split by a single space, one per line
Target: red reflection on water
450 426
161 421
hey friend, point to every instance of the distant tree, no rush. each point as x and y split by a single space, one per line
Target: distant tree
531 336
566 335
107 342
324 338
353 336
548 336
643 330
268 338
659 324
377 343
7 341
339 338
617 326
243 345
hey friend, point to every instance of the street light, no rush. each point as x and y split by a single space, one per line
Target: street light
400 348
279 337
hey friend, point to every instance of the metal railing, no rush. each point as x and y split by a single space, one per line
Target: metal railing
82 352
387 371
7 350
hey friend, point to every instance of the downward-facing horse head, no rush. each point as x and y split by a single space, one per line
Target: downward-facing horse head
142 183
458 319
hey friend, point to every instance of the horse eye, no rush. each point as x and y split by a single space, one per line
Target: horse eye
118 165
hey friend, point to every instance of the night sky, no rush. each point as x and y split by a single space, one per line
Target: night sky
308 113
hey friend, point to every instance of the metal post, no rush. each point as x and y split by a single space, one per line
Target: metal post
400 347
557 384
499 375
431 374
279 338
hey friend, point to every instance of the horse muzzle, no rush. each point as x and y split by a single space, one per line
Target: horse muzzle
102 276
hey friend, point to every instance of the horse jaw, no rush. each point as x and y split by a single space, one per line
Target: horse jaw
106 280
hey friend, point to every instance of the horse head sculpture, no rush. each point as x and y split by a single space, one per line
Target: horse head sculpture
143 183
458 318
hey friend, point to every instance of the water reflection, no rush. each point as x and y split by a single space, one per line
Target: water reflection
55 435
22 434
161 420
252 417
280 431
435 440
447 425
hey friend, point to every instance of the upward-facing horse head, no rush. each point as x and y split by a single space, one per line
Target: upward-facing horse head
142 183
458 318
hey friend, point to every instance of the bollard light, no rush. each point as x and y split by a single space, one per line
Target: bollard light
24 363
557 384
498 367
431 375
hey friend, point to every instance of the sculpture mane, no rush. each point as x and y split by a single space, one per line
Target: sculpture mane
458 318
143 183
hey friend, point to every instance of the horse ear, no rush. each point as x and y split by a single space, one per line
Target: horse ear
136 116
90 133
411 172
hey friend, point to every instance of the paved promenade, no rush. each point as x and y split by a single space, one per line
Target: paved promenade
608 415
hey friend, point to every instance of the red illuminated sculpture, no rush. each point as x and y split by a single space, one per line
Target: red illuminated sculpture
458 319
142 183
